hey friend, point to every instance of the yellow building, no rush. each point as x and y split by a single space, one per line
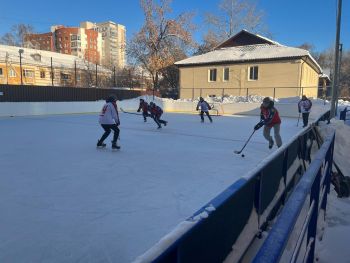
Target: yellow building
38 68
249 64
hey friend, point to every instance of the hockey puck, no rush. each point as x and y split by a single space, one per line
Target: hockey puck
242 155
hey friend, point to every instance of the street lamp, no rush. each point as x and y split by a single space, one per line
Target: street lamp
20 51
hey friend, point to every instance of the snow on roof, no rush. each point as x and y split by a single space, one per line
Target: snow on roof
42 58
247 53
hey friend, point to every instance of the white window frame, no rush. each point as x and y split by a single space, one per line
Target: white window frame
12 73
253 79
209 74
223 74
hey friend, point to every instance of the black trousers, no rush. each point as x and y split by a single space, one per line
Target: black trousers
207 113
306 118
157 119
145 114
108 128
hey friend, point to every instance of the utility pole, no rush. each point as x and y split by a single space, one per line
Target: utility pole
114 81
75 73
52 74
20 51
7 71
336 62
96 75
338 80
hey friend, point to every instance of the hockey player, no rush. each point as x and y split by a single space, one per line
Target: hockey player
205 107
144 107
304 107
156 113
109 120
270 119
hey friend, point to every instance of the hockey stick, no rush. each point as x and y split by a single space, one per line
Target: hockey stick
238 152
298 120
130 112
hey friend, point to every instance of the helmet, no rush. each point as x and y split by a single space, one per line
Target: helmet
201 98
111 98
266 102
142 100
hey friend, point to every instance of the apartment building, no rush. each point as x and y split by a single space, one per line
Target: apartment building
113 42
99 43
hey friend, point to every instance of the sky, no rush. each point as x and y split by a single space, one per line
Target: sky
290 23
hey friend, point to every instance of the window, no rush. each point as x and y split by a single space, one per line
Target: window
65 76
212 74
42 74
12 73
28 73
73 37
226 74
1 73
253 73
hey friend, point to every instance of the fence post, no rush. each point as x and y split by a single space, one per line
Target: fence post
200 93
192 93
247 94
274 93
114 81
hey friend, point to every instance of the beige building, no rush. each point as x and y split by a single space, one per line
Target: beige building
113 42
249 64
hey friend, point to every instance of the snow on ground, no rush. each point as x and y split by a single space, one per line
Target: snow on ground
62 200
334 246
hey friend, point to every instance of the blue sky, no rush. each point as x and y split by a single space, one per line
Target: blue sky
290 22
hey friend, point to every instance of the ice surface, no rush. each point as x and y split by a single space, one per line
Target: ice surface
63 200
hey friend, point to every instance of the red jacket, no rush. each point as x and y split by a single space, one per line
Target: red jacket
143 106
270 115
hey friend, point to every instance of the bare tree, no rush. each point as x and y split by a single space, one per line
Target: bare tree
152 47
8 39
234 15
17 34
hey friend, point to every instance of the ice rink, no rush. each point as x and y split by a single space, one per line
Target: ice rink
63 200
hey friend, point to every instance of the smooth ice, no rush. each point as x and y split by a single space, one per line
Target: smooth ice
63 200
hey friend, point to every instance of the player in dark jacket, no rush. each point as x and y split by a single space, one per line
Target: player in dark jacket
304 107
269 118
144 107
205 107
156 113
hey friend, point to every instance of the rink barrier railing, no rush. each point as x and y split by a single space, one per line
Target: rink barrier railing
228 225
311 192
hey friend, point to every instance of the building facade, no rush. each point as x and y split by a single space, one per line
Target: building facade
249 64
99 43
45 68
113 42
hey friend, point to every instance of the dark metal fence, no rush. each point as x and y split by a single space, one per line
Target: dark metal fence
25 93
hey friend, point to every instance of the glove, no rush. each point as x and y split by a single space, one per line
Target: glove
259 125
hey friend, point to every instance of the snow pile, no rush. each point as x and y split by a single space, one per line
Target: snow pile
342 143
335 242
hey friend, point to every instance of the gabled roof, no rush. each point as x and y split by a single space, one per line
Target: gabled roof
233 53
244 38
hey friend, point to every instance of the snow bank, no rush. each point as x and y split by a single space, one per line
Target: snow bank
336 238
342 143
